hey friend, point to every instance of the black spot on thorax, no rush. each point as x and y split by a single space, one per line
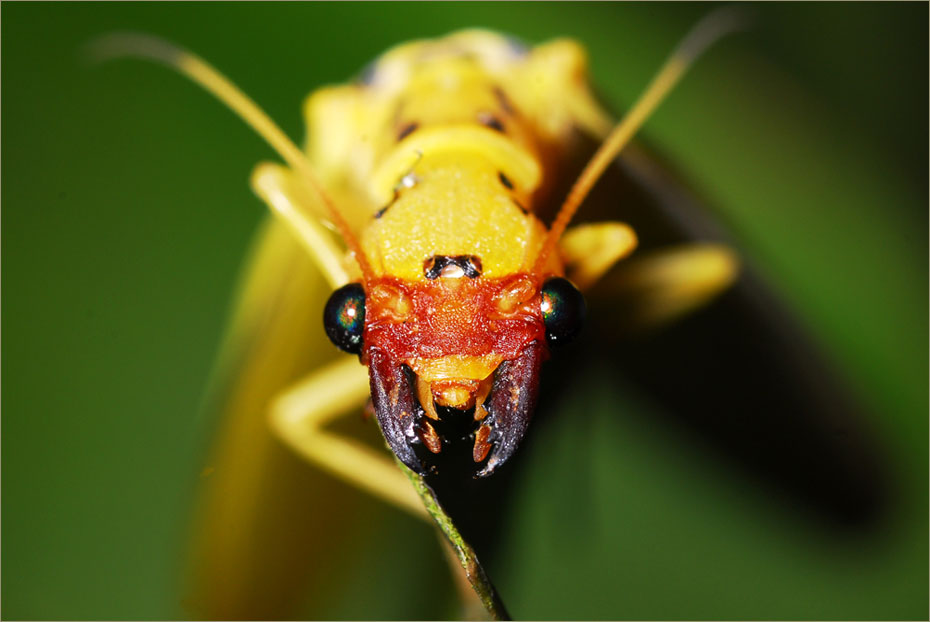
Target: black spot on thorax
407 130
492 121
469 264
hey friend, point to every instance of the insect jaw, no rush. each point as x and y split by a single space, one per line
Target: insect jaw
455 382
510 407
458 394
500 406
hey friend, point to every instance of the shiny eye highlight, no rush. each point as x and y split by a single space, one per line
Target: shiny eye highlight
344 317
563 310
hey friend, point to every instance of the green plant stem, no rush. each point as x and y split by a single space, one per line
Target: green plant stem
465 553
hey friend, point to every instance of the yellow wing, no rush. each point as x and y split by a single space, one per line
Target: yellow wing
261 510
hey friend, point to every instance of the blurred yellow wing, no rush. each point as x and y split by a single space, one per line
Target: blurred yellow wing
255 540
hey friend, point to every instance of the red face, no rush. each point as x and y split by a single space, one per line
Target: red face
454 343
473 344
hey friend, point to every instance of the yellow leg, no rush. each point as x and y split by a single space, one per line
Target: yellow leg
289 201
666 284
708 30
590 250
299 418
300 415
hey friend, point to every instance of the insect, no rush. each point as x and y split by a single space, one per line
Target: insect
419 196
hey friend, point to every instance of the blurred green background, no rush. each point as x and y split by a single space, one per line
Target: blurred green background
126 214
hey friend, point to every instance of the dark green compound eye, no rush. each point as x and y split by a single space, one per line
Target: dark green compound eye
344 317
563 310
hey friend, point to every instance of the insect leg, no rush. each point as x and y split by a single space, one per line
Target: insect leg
299 417
590 250
661 286
704 33
289 201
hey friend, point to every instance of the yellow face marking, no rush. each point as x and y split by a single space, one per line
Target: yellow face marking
390 301
517 293
455 367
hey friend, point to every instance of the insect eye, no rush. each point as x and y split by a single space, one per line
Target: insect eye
344 317
563 310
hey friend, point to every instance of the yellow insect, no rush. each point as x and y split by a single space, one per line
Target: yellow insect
418 198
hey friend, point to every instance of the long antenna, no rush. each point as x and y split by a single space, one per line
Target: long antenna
121 45
710 29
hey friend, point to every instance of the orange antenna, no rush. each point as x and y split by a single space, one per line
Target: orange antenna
703 34
118 45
